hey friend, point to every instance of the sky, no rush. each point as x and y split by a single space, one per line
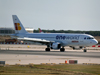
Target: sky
52 14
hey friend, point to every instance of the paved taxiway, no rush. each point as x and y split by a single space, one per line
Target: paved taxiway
38 56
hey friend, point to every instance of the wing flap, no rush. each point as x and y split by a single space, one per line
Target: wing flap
35 40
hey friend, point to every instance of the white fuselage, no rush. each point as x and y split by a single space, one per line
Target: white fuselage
64 39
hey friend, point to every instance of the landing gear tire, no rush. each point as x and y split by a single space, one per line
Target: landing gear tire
62 49
47 49
85 50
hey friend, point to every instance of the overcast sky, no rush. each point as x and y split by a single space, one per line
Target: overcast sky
52 14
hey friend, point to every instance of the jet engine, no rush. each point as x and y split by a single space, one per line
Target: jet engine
55 45
76 47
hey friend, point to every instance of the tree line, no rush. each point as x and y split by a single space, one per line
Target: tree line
94 33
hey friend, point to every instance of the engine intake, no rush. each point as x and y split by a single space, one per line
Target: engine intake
55 45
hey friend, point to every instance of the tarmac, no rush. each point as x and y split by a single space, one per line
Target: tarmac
26 54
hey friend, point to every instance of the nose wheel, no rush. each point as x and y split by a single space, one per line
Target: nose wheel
85 50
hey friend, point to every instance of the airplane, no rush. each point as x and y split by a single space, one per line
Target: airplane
73 47
53 40
40 31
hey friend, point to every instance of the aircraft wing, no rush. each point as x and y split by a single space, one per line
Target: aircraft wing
43 41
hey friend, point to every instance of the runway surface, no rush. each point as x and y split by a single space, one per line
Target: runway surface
40 56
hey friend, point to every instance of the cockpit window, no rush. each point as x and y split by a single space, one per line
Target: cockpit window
90 38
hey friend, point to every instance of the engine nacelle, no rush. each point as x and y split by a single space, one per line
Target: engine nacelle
55 45
76 47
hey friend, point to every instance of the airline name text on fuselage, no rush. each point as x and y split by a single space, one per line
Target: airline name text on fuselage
58 37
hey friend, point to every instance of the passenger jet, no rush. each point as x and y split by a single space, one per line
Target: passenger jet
53 40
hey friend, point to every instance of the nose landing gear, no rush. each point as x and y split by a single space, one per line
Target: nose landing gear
84 50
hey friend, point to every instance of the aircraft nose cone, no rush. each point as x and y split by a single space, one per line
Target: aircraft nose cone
95 42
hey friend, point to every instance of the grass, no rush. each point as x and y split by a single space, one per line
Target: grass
51 70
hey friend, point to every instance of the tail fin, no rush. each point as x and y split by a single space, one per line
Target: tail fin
40 31
18 25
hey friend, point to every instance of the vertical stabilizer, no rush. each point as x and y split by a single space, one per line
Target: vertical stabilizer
40 31
18 25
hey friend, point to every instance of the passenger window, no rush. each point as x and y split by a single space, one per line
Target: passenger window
85 38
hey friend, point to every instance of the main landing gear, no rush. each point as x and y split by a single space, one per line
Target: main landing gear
47 49
61 49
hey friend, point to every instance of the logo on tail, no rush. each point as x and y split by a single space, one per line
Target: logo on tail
17 26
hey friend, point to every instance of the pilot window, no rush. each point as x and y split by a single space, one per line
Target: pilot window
88 38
